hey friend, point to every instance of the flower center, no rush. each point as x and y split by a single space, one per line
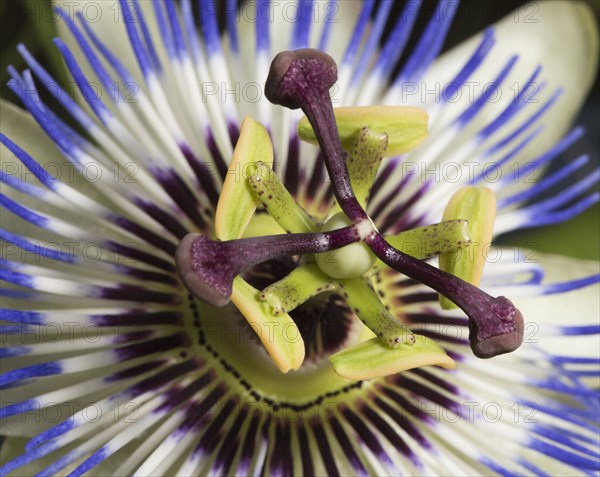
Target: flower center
211 269
234 346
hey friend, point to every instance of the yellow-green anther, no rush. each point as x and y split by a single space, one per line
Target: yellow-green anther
296 288
368 307
372 359
363 162
425 242
272 194
279 335
237 203
478 206
262 224
406 127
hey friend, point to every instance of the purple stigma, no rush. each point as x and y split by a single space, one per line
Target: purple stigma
207 267
495 325
301 79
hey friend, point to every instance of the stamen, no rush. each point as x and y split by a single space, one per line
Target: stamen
363 163
237 204
296 288
272 194
478 207
406 127
287 354
429 240
372 358
366 304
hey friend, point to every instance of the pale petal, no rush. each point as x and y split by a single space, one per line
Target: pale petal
12 447
341 17
561 36
20 127
106 19
564 309
485 125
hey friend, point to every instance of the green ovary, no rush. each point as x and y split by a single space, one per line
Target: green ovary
351 261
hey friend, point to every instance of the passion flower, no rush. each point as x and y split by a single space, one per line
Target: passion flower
224 324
